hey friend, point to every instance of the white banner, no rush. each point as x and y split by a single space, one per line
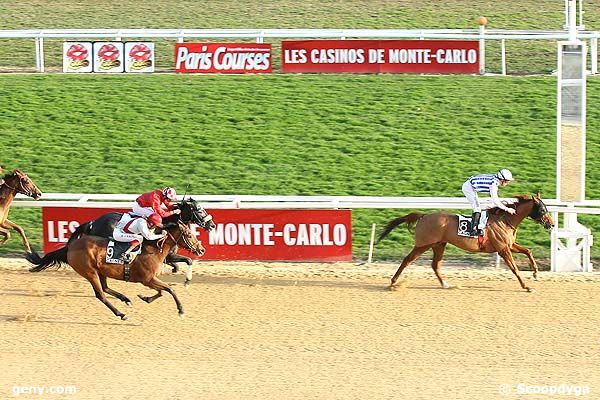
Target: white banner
108 57
139 57
77 57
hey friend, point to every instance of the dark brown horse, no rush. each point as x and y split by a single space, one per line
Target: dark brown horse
15 182
434 231
87 256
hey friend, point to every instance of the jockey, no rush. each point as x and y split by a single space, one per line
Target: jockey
157 201
486 183
135 229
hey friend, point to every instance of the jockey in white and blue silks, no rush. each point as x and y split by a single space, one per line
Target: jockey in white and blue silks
485 183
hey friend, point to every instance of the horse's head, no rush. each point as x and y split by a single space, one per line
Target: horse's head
539 213
182 236
21 183
192 212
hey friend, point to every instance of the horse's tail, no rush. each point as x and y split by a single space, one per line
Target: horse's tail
53 259
83 229
410 220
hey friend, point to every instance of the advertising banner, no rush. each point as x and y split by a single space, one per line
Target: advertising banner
77 57
139 57
284 235
381 56
224 58
108 57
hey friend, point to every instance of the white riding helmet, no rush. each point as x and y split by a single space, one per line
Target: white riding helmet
169 193
505 174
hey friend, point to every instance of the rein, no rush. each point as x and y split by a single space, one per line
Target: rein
186 243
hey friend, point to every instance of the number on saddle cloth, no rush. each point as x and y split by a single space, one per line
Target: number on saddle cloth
464 224
115 250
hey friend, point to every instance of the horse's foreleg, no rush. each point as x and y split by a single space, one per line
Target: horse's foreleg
6 235
95 281
517 248
510 261
11 225
112 292
438 255
188 276
413 255
159 285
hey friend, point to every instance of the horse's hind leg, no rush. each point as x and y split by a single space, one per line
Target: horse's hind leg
438 256
412 256
95 281
150 299
159 285
112 292
6 235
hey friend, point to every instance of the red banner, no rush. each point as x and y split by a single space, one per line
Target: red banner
307 235
381 56
225 58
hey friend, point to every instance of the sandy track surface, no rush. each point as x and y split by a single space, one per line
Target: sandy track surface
302 331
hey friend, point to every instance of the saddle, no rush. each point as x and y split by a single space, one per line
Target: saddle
465 222
115 250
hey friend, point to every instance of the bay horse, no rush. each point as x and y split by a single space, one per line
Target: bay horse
87 256
191 212
434 231
13 183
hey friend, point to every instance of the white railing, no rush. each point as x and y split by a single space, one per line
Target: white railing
482 34
294 202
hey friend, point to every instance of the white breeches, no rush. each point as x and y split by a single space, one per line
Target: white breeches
142 211
121 236
471 196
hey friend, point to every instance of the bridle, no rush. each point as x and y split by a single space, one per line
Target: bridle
186 242
20 187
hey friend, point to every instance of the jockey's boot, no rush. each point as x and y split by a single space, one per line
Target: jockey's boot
475 224
128 256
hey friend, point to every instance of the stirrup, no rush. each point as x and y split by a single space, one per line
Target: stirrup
128 258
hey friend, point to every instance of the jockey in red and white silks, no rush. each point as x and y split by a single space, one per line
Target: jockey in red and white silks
157 201
135 229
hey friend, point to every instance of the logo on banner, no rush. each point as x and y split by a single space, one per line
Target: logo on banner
108 57
236 58
77 57
139 57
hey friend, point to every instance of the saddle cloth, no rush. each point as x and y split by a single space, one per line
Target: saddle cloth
464 224
115 250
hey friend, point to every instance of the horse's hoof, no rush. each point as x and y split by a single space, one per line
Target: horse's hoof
535 277
446 286
144 298
187 283
175 270
529 290
128 303
181 315
124 317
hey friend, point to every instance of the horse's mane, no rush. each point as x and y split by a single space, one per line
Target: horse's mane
522 198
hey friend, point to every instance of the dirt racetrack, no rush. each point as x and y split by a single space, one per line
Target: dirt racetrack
303 331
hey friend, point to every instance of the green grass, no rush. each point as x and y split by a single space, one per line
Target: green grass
380 135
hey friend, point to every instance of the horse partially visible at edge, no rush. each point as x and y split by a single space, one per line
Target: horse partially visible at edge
434 231
87 256
15 182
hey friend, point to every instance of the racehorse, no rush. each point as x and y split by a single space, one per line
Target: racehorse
15 182
87 256
191 212
434 231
